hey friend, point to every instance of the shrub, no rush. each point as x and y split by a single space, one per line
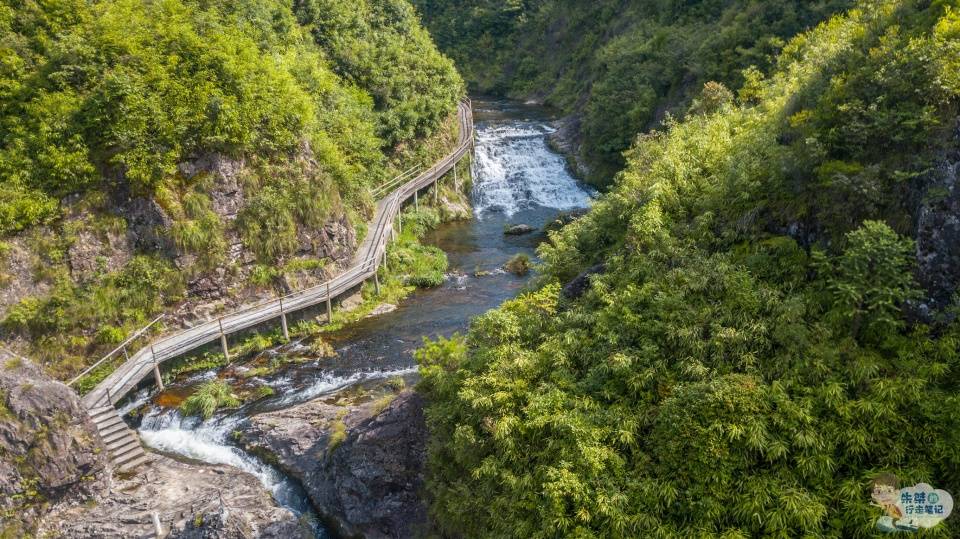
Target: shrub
519 264
208 398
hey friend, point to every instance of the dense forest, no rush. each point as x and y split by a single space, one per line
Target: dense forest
143 145
619 66
757 320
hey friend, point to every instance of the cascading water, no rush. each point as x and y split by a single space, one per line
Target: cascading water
516 170
516 176
207 441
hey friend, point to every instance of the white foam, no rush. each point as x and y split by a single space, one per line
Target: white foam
206 441
516 170
328 383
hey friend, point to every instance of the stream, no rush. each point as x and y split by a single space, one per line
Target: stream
517 179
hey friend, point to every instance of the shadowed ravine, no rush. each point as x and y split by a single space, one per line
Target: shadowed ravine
517 179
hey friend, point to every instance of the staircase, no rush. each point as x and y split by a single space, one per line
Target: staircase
124 447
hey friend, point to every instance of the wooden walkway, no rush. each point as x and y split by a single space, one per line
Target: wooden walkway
146 362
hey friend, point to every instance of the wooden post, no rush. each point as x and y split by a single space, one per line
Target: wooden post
416 200
376 281
125 355
223 340
156 370
436 192
283 322
329 305
109 400
400 220
456 180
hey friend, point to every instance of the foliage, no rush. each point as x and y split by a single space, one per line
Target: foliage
208 398
721 377
77 318
379 45
166 102
423 266
622 65
338 434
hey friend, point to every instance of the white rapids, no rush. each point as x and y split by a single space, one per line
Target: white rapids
206 441
516 170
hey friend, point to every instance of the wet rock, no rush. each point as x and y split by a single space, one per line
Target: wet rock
366 481
576 288
192 501
518 230
49 449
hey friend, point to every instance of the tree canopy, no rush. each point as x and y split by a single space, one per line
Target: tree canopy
751 357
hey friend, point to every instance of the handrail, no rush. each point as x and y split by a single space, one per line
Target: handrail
123 345
366 264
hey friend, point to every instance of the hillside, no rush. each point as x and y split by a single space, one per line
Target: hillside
184 156
754 324
618 67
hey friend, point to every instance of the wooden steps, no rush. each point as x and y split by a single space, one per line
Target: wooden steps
126 453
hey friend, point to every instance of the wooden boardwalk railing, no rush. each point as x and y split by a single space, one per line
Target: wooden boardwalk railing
366 263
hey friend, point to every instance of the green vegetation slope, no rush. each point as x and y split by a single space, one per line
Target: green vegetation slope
195 130
619 65
745 331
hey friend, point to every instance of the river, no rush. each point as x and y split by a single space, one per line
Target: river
517 179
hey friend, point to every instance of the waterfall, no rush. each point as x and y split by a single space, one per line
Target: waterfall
516 170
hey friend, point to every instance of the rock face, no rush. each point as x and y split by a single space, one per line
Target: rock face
568 140
192 501
938 228
368 484
17 262
576 288
49 449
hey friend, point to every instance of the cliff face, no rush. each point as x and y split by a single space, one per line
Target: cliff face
938 228
362 467
49 449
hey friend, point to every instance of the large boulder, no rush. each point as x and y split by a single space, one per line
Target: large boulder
362 467
49 448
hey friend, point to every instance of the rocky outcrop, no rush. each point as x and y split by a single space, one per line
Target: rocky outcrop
49 449
938 229
362 469
17 273
568 141
147 223
576 288
191 501
95 249
226 193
